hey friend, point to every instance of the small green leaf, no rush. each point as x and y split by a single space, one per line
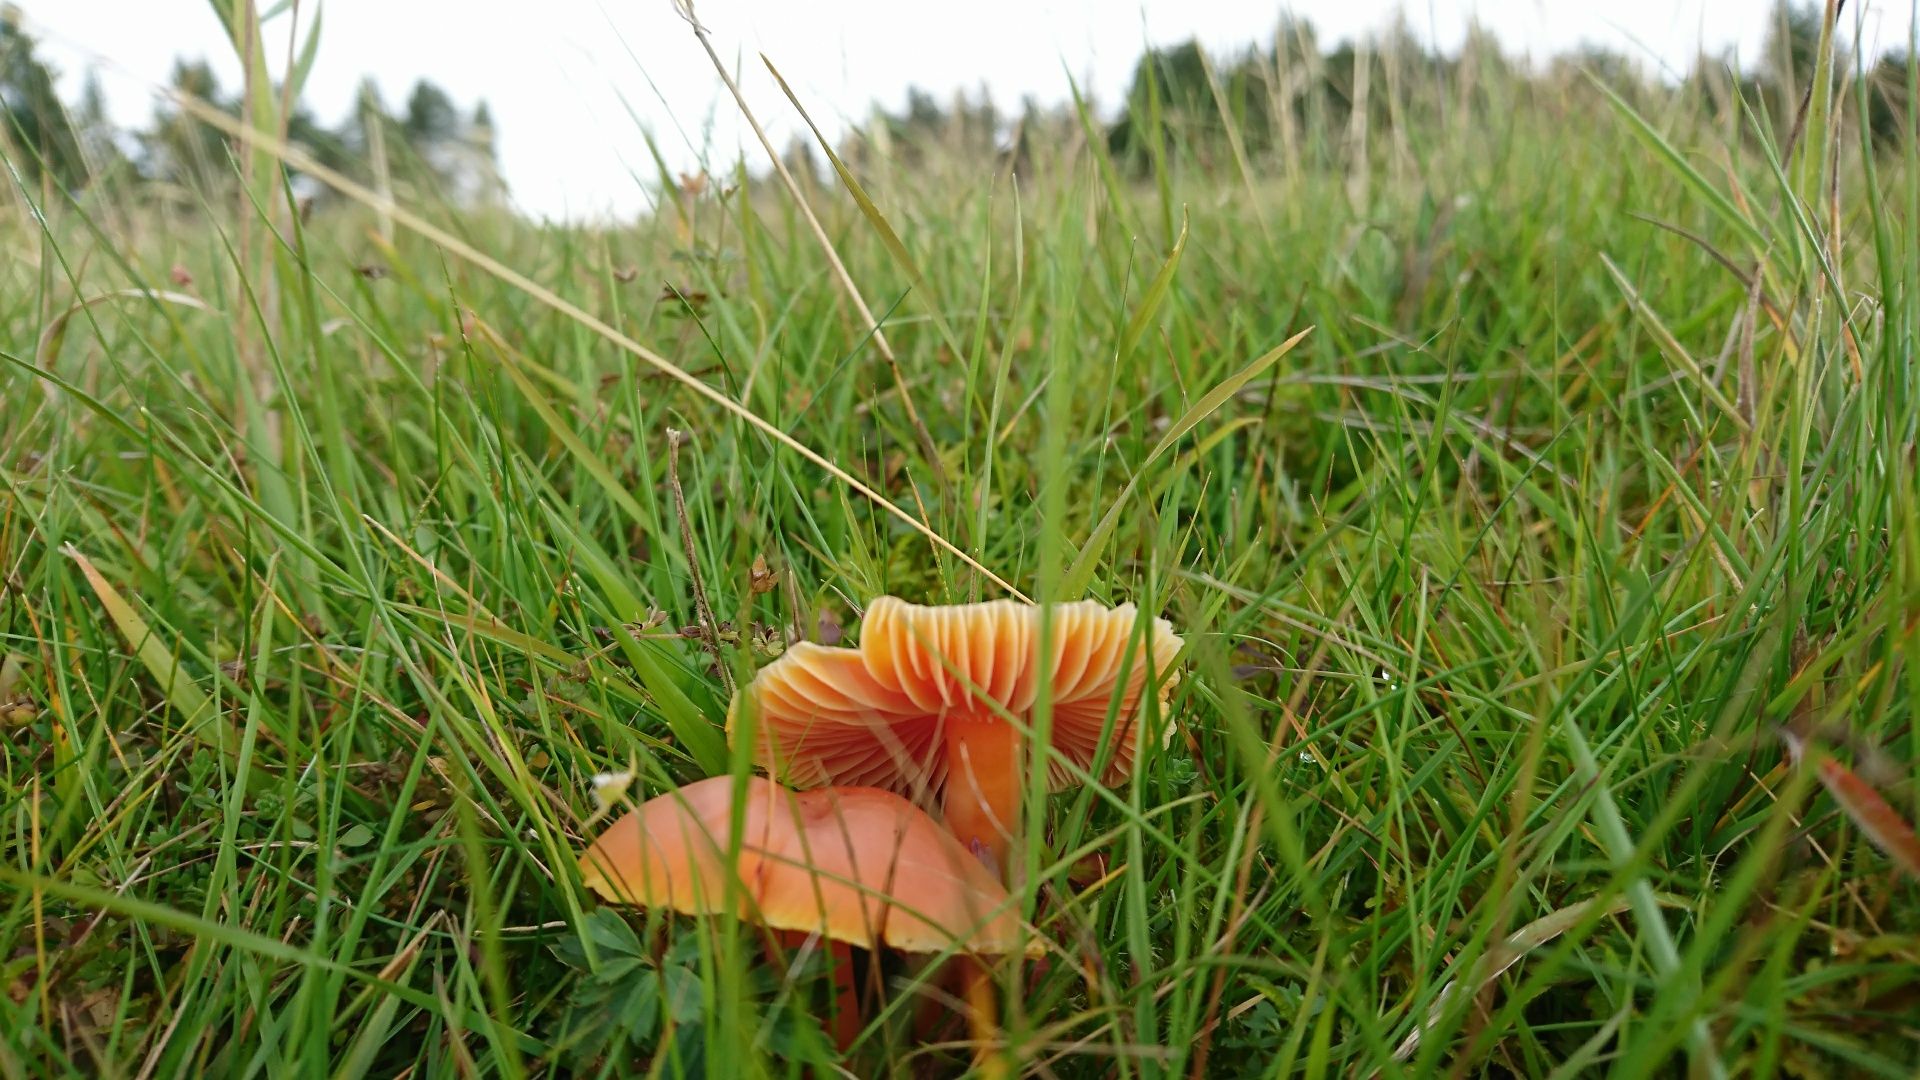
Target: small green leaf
681 993
641 1010
610 934
689 1057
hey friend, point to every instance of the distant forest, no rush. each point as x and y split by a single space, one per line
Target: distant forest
428 139
1289 95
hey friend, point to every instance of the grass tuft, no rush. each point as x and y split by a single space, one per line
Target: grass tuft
1551 605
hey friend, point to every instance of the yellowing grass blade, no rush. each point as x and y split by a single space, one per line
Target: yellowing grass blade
1880 822
196 710
1877 820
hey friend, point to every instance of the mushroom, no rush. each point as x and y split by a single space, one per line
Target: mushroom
921 707
857 866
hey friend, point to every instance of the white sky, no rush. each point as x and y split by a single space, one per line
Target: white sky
561 82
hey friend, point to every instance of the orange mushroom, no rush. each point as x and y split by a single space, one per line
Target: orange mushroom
857 866
921 706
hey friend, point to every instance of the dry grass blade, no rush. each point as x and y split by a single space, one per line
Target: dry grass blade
889 238
56 329
294 157
1497 960
196 710
1671 347
927 446
1878 820
55 332
1863 805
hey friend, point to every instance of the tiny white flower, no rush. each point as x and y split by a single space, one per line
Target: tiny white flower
611 787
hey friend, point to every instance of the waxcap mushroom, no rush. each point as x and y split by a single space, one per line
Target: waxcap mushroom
920 706
855 865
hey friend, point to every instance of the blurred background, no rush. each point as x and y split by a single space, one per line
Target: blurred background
566 92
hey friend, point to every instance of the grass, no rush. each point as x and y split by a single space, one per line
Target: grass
328 589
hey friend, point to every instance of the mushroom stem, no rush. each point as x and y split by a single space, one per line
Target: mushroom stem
982 810
982 1017
983 787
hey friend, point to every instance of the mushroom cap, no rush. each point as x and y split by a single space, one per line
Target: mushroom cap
875 715
857 865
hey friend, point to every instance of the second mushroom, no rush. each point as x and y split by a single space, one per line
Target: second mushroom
922 706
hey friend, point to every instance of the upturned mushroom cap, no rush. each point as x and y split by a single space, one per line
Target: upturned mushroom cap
873 715
857 865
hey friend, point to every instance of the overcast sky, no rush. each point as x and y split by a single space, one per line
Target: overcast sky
572 87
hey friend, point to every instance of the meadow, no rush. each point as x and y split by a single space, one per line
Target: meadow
1528 462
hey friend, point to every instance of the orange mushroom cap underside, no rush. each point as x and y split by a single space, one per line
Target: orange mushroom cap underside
874 715
857 865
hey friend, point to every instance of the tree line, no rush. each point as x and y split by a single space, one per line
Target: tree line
429 141
1289 95
1294 94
